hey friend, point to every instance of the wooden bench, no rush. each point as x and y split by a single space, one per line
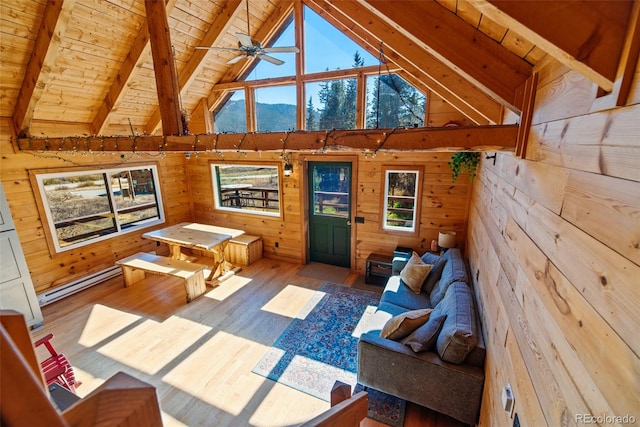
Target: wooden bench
135 266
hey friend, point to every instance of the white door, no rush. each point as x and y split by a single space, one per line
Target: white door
16 288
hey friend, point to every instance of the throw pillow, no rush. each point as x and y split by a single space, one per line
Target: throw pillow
424 338
435 273
403 324
414 273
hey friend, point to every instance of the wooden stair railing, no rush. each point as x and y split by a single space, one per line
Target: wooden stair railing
121 401
345 411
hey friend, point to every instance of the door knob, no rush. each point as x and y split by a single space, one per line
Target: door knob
348 222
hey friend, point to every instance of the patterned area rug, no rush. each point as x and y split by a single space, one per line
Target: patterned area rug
320 347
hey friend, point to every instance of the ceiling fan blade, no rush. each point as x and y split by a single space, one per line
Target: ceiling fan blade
227 49
293 49
236 59
271 59
245 40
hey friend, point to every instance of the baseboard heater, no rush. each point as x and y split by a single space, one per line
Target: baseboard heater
78 285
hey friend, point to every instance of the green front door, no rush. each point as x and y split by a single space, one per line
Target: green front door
330 213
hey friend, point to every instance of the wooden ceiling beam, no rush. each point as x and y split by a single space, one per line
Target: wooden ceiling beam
265 34
585 35
476 138
220 26
361 24
432 27
41 62
138 53
164 67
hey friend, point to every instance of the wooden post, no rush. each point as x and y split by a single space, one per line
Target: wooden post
164 68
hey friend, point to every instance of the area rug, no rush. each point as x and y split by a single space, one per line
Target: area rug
384 407
320 346
330 273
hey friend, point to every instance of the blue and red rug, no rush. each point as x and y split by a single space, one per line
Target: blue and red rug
320 347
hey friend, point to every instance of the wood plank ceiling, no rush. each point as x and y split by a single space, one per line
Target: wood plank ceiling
85 67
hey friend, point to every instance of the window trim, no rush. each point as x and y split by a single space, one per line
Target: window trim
215 188
36 176
415 231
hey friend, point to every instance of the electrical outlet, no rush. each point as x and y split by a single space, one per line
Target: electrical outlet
507 399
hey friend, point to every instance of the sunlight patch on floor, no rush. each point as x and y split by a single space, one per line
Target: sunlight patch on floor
297 412
290 301
364 324
227 288
104 322
234 386
151 346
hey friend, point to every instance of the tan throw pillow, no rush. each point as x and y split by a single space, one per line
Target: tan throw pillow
414 273
403 324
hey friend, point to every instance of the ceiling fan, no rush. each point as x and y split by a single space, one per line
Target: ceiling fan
249 48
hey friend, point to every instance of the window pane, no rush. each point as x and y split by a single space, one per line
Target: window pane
79 207
134 196
392 102
400 200
247 188
276 109
326 48
331 104
331 191
232 116
265 69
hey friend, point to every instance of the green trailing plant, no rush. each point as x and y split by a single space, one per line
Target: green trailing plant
464 161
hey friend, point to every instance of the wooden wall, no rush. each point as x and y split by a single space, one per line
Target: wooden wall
444 203
554 246
49 271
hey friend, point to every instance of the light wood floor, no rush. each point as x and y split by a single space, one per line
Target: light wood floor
199 356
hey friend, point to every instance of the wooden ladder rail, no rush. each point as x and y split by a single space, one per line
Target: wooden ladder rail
121 401
345 411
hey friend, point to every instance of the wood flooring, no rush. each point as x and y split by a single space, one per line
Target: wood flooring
199 355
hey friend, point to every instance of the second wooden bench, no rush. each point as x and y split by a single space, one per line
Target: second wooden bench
135 266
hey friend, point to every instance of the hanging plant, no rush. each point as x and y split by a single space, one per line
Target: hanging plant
464 160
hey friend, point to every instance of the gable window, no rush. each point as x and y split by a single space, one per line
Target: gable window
335 107
231 117
252 189
275 108
392 102
83 207
402 199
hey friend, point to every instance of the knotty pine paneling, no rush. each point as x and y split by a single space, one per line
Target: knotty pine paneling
554 250
444 204
49 271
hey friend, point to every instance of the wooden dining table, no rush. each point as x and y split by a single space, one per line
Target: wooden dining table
209 238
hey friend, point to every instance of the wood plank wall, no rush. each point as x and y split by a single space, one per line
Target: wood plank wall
554 246
444 203
49 271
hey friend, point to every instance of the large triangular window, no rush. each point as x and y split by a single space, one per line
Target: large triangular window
266 100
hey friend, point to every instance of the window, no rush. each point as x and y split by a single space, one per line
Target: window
402 199
392 102
253 189
326 48
87 206
331 104
276 109
232 117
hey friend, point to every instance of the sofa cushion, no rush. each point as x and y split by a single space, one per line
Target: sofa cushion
424 338
454 270
415 272
438 263
397 293
403 324
458 335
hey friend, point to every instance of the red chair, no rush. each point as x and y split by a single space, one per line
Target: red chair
57 369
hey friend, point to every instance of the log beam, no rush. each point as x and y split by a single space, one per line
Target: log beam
476 138
164 67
